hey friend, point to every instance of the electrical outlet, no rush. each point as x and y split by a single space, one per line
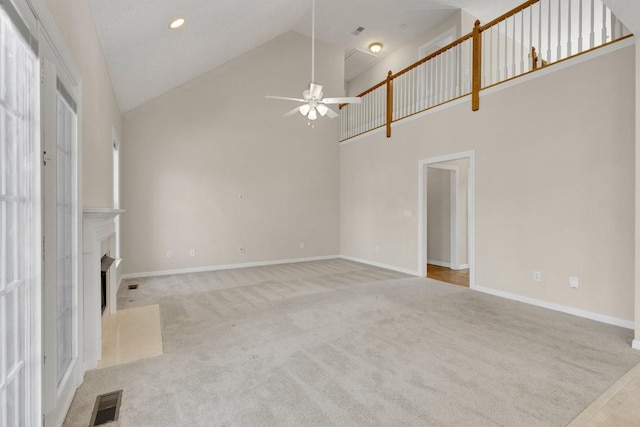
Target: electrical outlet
241 249
169 254
574 282
301 245
377 249
537 276
192 252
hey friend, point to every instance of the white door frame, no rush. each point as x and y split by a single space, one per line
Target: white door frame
471 207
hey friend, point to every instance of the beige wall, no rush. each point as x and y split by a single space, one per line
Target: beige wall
100 113
191 152
554 185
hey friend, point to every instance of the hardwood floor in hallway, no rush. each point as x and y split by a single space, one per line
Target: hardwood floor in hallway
444 274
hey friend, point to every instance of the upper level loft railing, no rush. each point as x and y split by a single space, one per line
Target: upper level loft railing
534 35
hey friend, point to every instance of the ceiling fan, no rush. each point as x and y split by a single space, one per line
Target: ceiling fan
313 102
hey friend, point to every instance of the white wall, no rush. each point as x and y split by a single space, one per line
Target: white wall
191 152
554 185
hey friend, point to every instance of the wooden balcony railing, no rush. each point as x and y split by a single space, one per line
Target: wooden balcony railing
536 34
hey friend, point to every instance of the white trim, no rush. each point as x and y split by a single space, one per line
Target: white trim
422 215
381 265
439 263
460 267
635 344
223 267
558 307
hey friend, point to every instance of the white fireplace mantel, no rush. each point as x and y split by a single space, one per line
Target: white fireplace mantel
98 226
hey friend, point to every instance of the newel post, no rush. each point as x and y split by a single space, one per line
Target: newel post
389 103
477 67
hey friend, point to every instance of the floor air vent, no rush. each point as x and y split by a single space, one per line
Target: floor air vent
133 286
106 409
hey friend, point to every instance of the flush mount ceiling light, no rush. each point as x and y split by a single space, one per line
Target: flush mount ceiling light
375 47
176 23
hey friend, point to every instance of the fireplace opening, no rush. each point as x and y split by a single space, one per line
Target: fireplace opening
105 264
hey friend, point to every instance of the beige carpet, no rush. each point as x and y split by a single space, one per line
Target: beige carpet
340 343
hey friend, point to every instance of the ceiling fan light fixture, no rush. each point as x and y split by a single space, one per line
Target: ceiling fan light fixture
176 23
375 47
312 114
304 109
322 109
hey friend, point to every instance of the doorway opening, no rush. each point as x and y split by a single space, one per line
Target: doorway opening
446 227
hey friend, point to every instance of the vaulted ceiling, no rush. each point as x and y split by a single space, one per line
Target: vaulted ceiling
146 58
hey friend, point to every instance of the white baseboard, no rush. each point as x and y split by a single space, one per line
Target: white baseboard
636 344
378 264
558 307
223 267
439 263
461 267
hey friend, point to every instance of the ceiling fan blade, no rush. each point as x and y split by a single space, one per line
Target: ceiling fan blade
292 112
315 91
285 98
343 100
332 114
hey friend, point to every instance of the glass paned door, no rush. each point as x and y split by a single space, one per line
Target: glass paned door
66 236
19 228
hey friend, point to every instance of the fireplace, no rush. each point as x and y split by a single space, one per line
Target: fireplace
105 264
99 278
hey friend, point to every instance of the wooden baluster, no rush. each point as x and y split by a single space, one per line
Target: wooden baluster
530 29
477 67
521 42
559 53
513 47
592 35
549 31
534 58
569 28
506 50
389 103
604 23
580 38
540 24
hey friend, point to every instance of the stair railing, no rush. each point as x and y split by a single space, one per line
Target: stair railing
534 35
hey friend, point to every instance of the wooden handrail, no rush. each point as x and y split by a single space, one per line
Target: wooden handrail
508 15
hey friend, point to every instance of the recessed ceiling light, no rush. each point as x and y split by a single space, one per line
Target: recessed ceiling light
176 23
375 47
